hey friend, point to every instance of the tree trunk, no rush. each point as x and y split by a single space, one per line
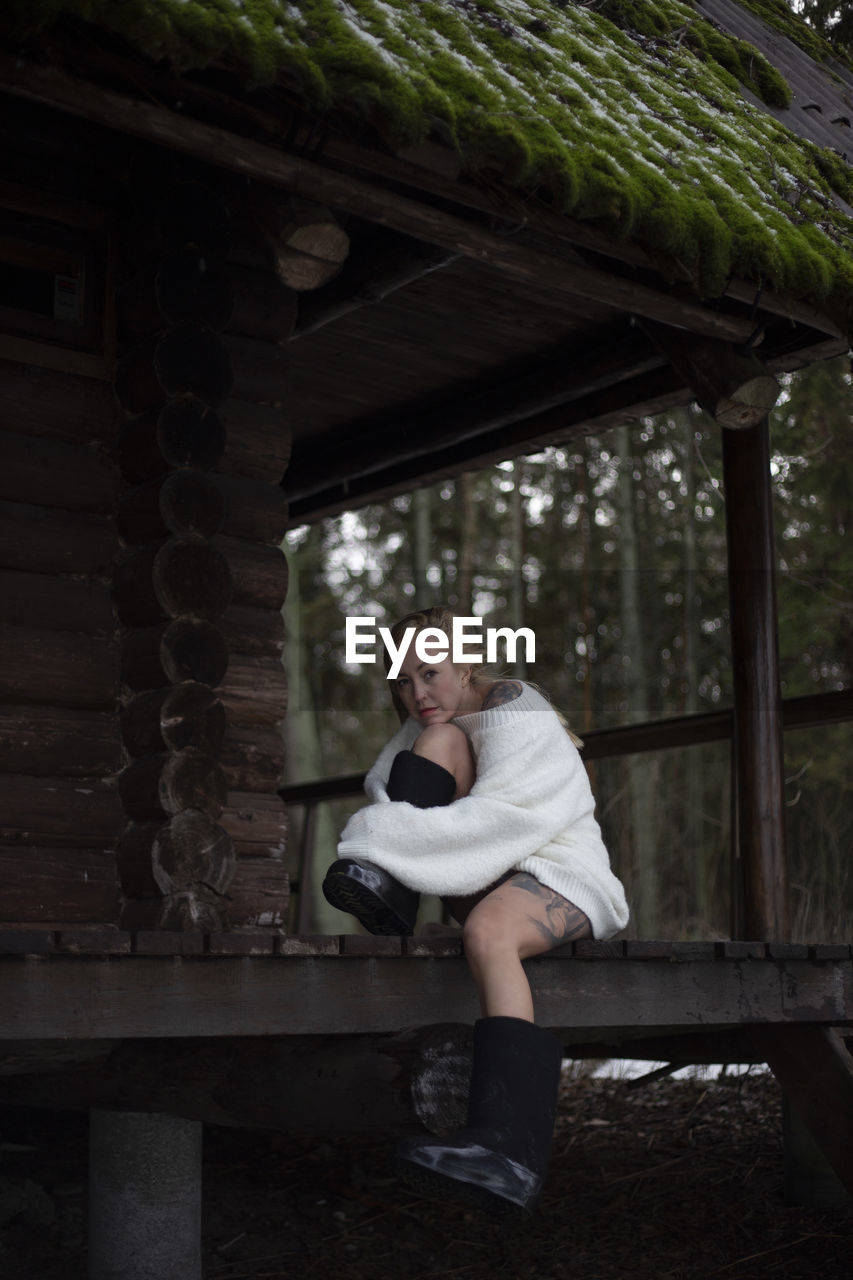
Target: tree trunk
642 771
516 555
698 864
422 545
467 547
304 759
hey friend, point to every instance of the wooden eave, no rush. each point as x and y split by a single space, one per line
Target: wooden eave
507 329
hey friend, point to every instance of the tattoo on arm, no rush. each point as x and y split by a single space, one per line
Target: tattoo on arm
502 691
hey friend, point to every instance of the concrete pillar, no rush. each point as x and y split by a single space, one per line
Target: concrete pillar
144 1197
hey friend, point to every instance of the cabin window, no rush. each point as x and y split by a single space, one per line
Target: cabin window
54 308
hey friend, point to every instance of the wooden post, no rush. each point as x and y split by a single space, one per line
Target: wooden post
758 801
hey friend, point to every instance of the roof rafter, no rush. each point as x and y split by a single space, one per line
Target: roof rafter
314 181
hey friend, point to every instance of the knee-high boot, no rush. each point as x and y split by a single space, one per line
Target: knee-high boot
378 901
501 1156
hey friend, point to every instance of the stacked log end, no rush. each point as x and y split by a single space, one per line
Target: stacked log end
201 579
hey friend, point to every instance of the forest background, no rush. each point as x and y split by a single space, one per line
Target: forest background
613 550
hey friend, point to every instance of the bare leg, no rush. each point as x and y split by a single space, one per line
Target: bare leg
446 745
517 919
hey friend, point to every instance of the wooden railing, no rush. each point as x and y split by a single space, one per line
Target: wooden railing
808 712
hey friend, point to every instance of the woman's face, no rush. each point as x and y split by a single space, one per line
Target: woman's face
434 692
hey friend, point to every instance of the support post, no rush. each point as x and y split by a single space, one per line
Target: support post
144 1197
759 801
815 1070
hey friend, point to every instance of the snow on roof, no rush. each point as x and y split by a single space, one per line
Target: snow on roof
651 120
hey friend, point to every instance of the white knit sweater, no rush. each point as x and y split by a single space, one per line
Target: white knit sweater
530 809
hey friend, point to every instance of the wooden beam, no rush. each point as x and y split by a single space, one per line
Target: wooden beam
759 799
815 1070
415 462
513 402
369 990
312 181
730 383
340 1084
807 712
376 267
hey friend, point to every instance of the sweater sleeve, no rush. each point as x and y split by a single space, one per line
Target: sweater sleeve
531 785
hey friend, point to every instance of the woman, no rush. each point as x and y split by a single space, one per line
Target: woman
507 836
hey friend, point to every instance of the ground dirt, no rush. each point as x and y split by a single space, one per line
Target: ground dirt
672 1180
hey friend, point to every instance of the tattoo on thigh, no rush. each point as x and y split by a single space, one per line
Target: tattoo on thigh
559 920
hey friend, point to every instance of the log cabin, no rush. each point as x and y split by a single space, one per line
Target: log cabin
261 263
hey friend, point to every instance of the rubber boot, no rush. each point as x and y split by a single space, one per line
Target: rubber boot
378 901
498 1161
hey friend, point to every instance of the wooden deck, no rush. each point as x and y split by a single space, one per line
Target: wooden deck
95 984
261 1029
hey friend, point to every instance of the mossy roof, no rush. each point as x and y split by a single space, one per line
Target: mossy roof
623 113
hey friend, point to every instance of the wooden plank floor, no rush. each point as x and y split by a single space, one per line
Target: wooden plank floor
87 984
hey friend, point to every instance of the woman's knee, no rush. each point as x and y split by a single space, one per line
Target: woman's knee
440 742
446 745
485 934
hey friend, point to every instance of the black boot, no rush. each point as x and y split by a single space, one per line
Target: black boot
499 1159
376 899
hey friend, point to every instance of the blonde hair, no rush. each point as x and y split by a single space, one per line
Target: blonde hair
440 617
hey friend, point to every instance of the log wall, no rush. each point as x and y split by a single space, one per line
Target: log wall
60 811
201 579
142 692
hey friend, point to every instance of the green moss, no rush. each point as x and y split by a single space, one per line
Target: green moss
743 61
778 14
626 114
646 19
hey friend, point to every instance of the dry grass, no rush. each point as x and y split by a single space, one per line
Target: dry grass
676 1180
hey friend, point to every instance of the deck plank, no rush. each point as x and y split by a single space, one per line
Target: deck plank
323 986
